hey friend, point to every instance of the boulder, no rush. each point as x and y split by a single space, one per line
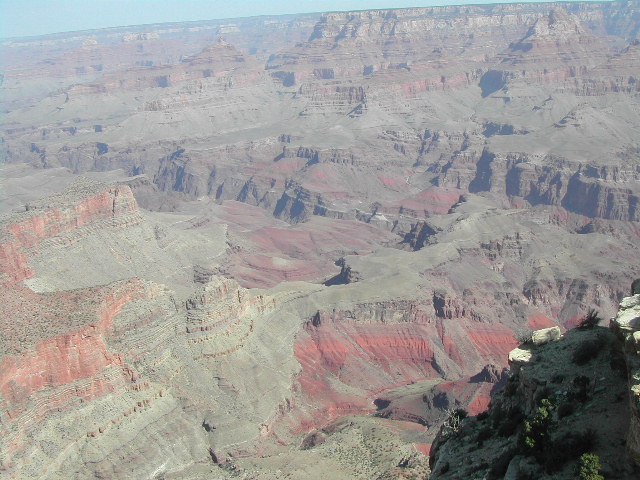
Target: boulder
546 335
630 302
628 318
520 356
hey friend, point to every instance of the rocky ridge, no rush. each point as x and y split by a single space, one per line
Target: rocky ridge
566 395
625 326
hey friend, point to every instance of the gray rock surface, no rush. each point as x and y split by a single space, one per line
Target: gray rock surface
282 227
627 326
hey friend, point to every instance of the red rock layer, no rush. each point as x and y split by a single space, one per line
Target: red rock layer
40 222
61 369
67 357
341 355
273 252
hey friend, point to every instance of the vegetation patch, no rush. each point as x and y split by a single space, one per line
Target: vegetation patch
590 320
589 467
587 351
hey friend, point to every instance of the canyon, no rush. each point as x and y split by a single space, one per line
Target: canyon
277 247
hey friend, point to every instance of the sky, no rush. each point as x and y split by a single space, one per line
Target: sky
38 17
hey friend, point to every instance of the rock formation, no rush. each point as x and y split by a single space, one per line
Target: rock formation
556 406
626 325
297 242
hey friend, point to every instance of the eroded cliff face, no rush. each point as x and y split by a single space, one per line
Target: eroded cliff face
361 107
91 373
79 210
46 386
596 192
143 386
349 359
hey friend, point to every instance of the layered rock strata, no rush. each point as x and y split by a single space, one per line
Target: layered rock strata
435 218
77 211
373 68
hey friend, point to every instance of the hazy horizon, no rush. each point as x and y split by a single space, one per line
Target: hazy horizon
27 18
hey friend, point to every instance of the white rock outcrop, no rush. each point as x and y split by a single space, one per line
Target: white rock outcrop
546 335
627 326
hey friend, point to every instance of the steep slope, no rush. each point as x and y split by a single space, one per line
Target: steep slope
556 48
562 400
90 373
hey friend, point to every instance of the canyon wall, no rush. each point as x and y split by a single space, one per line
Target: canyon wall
347 221
396 70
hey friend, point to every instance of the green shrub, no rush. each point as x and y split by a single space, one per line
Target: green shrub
535 436
589 467
511 422
587 351
590 320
